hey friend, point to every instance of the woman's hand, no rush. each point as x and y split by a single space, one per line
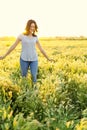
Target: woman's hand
51 60
2 57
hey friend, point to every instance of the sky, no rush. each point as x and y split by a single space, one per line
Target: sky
53 17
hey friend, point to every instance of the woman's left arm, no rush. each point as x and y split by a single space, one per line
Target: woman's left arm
42 51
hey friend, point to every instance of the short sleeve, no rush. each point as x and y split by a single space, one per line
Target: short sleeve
37 40
20 37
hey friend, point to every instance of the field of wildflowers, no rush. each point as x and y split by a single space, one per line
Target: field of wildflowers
59 101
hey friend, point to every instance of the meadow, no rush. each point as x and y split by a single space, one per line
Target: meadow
59 100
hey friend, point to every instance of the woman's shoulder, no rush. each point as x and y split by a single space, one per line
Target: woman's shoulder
20 36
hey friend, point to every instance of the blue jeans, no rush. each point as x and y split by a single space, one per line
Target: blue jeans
33 68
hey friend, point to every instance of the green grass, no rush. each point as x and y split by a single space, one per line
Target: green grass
60 100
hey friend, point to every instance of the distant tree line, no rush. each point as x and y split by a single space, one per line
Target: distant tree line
64 38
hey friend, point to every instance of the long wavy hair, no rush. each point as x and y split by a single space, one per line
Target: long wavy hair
27 28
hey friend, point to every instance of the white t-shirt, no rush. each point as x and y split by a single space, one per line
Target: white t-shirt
28 52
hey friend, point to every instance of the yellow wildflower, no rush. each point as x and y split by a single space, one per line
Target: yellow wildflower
10 94
15 122
4 115
69 123
57 129
10 114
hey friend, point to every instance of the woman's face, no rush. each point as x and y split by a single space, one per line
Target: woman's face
32 28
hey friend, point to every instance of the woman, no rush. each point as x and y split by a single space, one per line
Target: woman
28 56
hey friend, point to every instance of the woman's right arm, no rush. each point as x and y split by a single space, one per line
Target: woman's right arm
10 49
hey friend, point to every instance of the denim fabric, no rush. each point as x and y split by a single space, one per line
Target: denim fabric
25 65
